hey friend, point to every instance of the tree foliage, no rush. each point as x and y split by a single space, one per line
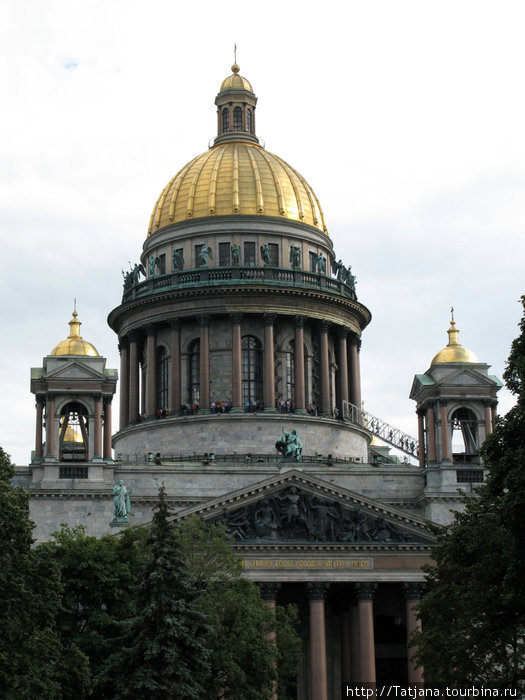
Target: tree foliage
473 614
34 661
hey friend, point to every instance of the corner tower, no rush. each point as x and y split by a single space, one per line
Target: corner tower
238 305
455 403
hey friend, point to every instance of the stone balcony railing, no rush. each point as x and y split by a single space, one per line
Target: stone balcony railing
238 275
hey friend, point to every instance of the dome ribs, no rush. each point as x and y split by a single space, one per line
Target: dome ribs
257 175
276 182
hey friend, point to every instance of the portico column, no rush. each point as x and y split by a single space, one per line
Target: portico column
299 386
269 594
488 417
50 426
421 436
269 364
204 375
107 427
236 363
39 423
318 681
133 378
365 614
342 372
176 399
445 440
324 363
431 433
97 442
124 382
151 374
355 373
413 593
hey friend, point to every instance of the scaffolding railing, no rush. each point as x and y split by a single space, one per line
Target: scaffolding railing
376 426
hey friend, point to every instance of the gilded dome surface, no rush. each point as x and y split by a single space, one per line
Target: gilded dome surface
454 351
236 81
237 178
74 344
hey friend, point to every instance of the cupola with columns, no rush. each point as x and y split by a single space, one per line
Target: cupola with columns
239 299
73 391
456 400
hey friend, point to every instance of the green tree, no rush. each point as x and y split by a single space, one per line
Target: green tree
99 576
33 660
162 653
473 614
244 663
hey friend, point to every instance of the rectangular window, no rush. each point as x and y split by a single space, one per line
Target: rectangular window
161 264
274 254
224 255
249 254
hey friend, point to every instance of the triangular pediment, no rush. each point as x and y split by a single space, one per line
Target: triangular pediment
294 508
74 370
466 377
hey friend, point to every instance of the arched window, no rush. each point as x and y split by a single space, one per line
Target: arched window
225 119
249 121
195 365
464 432
73 435
252 370
162 378
237 119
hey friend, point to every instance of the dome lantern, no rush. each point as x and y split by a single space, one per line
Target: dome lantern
236 103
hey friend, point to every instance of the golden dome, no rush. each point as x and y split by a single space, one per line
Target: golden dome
236 81
74 344
454 352
237 178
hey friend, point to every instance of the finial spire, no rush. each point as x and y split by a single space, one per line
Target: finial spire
235 53
452 314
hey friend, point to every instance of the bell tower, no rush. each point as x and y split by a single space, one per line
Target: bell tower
456 404
73 391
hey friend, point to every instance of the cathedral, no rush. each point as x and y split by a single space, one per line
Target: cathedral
239 390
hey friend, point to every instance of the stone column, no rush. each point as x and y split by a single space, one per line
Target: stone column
355 373
318 680
346 653
107 427
365 614
342 373
324 369
175 392
50 426
488 417
445 439
97 427
421 436
151 372
124 381
269 364
413 593
236 363
133 378
299 385
39 424
269 594
431 433
204 377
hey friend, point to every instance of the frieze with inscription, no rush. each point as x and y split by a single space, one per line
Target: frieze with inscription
292 515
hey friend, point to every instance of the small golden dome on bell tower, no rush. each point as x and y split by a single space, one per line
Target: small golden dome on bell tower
74 344
454 352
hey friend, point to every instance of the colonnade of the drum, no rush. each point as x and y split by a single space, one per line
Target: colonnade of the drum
345 343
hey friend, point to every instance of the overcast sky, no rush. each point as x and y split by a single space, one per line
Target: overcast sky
406 117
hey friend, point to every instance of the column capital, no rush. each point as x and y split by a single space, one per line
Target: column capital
299 321
421 412
40 398
50 396
269 319
343 332
324 326
491 403
108 399
236 318
442 403
204 320
151 330
317 591
354 339
269 590
133 336
123 343
413 591
365 591
97 396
